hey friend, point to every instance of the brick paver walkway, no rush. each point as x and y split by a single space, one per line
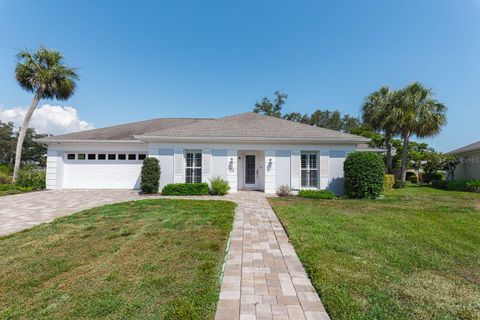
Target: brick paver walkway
263 277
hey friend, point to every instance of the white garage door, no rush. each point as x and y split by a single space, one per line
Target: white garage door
102 170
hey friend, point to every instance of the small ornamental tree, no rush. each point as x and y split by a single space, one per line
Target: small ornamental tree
150 175
364 175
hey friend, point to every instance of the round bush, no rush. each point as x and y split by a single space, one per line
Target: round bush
218 186
150 175
284 190
364 175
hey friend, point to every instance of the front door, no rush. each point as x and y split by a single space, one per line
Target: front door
251 171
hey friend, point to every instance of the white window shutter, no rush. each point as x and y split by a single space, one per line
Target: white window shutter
206 165
324 168
295 170
178 166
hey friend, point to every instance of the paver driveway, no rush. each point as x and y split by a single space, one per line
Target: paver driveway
24 210
263 277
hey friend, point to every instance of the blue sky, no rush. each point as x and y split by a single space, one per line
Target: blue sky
141 60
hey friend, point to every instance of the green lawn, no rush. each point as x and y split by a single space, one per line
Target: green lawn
415 254
149 259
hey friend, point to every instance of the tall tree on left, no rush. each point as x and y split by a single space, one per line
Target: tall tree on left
44 73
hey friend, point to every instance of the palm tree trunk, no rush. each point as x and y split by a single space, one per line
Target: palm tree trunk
23 131
388 145
406 141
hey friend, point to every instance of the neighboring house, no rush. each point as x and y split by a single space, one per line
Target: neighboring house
249 150
469 166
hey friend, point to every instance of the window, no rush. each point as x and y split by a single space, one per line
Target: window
129 156
193 168
309 169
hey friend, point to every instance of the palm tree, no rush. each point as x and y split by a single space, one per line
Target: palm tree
377 113
417 114
44 73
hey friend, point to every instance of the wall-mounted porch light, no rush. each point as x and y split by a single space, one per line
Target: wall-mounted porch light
269 165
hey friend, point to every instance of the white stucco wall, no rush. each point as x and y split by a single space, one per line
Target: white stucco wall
280 164
282 167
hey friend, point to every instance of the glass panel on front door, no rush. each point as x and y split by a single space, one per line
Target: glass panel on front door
250 169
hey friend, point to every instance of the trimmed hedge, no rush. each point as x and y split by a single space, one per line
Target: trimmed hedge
389 181
364 175
472 185
185 189
316 194
150 175
439 184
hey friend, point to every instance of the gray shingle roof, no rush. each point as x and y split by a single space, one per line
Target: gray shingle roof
125 131
470 147
247 125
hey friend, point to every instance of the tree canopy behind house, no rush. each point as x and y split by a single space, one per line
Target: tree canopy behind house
32 151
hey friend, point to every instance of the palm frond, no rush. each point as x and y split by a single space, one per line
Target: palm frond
46 68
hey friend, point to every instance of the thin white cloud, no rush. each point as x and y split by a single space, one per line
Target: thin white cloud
48 119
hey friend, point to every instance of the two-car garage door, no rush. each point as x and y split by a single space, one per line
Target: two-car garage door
102 170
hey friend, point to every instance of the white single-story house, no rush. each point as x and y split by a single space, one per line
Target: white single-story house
249 150
469 166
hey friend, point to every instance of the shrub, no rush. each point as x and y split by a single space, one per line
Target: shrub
429 177
218 186
456 185
5 178
13 187
364 175
316 194
284 190
6 169
389 181
150 175
439 184
29 176
413 179
473 185
185 189
399 184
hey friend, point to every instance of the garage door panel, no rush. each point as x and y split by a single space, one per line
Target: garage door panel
101 175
